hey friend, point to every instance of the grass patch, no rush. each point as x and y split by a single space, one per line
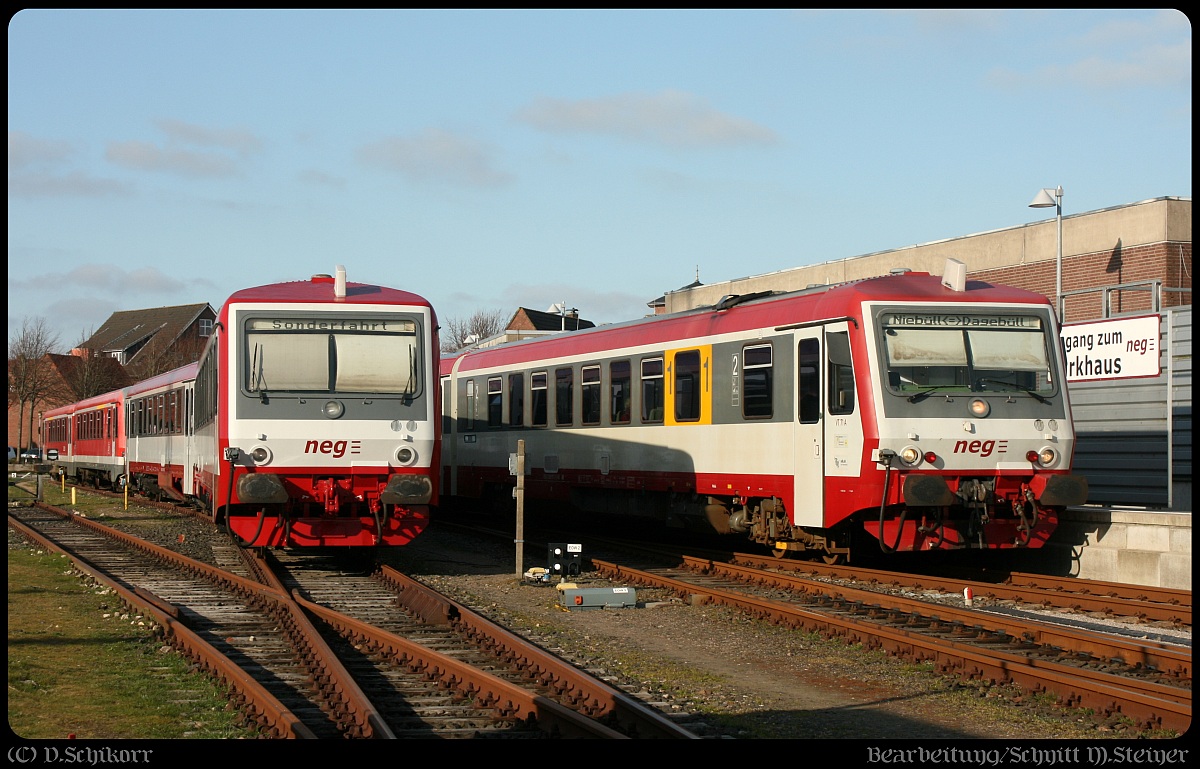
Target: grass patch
79 664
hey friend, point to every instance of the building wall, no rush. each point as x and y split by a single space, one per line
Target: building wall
1149 240
14 418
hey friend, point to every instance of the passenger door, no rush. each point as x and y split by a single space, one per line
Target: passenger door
809 503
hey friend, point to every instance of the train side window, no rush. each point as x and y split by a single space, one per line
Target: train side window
809 384
470 415
687 386
652 390
757 382
495 400
619 394
590 394
564 390
516 400
538 395
841 374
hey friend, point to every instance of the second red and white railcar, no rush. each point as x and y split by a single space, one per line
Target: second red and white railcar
925 412
88 439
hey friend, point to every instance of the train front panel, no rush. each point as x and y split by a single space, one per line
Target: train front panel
325 419
973 437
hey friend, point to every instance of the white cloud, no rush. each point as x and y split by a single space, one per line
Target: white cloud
670 118
236 139
76 183
435 155
144 156
25 151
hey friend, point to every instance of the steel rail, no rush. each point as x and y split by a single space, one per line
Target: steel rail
348 708
585 692
508 700
250 697
1036 590
1150 707
1172 660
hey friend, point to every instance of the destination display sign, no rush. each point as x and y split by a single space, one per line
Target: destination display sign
357 325
956 320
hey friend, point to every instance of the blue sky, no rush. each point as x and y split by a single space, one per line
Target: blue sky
490 160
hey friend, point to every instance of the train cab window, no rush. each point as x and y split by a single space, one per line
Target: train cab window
564 390
590 394
757 380
538 396
619 394
841 373
516 400
652 390
495 400
687 386
809 380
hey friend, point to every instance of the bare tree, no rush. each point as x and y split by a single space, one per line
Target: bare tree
86 375
457 334
30 374
160 358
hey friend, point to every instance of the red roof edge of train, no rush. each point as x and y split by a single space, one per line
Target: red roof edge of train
816 303
321 289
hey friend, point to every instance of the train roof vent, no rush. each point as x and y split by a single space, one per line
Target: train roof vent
955 275
339 286
899 270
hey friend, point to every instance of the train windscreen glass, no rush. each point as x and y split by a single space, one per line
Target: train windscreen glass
975 353
332 356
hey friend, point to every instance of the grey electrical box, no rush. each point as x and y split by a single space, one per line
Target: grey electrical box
599 598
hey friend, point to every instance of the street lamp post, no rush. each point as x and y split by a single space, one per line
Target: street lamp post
1048 198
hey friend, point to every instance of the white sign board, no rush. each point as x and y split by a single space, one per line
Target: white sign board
1120 348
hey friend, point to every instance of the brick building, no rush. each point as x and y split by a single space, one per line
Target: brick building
1120 260
132 344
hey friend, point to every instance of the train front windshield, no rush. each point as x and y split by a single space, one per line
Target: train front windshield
344 356
995 352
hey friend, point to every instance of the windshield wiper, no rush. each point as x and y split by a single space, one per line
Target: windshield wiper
924 393
257 380
1016 388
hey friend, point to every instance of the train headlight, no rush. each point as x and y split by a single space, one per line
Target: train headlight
333 409
979 407
261 455
405 456
1046 457
910 455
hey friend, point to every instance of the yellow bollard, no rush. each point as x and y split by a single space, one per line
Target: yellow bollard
72 496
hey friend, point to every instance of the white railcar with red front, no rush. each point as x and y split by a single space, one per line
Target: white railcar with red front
317 415
914 411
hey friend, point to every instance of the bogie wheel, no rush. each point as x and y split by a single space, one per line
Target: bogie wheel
833 558
780 552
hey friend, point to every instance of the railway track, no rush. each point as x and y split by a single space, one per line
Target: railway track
364 608
1141 602
359 682
1147 682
